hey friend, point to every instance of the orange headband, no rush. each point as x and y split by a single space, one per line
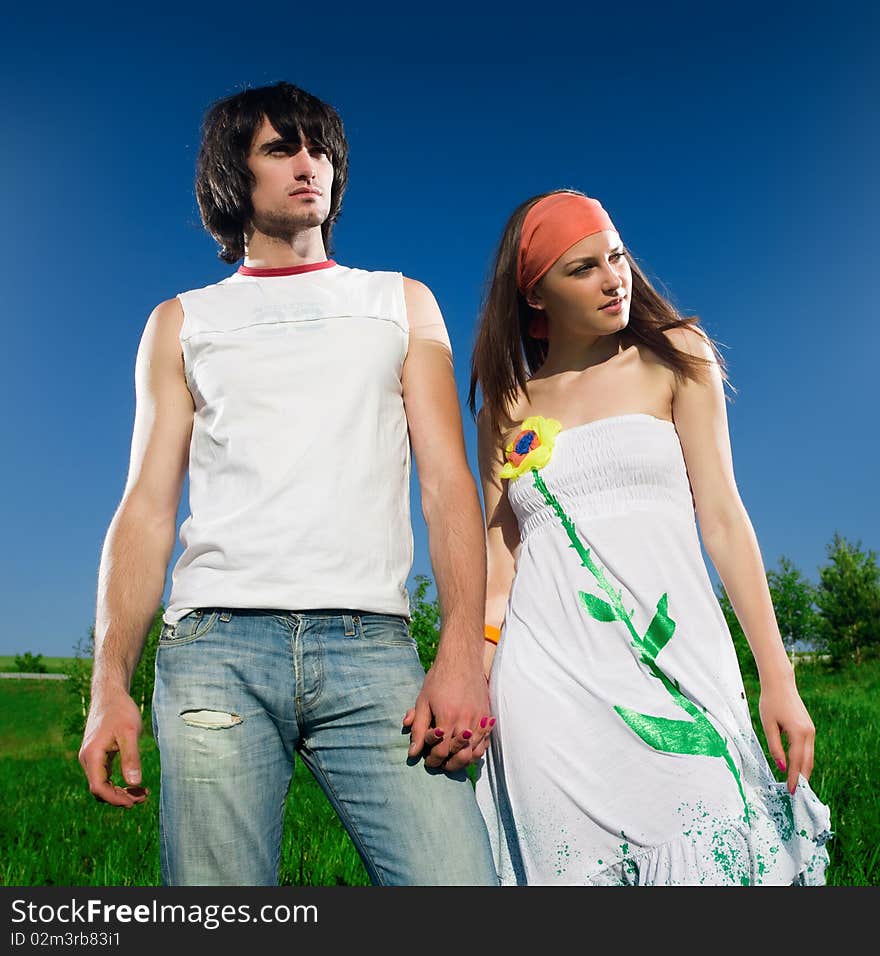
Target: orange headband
554 224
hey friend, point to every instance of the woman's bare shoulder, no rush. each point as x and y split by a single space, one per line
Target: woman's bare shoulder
690 338
521 408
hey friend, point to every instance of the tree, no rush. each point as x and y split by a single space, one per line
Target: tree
744 654
424 621
848 598
28 663
79 677
793 599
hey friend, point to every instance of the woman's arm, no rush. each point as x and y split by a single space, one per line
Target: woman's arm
502 531
700 417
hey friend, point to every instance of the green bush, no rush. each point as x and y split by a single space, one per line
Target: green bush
424 621
28 663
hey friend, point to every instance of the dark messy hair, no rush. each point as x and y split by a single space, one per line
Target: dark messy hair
505 355
224 182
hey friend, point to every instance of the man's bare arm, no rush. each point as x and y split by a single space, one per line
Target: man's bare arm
136 552
455 695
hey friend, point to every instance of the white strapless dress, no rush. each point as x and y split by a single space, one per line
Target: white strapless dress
624 751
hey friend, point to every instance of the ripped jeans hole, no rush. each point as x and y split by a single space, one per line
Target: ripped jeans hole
209 719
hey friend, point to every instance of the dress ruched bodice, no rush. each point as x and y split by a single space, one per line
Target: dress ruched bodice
607 467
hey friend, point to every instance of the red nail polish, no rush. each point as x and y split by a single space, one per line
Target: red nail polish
484 721
492 722
438 732
781 765
466 734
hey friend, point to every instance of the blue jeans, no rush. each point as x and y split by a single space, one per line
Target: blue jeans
240 692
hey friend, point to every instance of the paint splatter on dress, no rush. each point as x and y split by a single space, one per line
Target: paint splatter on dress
624 751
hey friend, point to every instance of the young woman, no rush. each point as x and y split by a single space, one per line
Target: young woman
623 751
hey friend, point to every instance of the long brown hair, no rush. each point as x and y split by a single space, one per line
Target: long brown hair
505 356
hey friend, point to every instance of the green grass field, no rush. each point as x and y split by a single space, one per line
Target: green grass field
54 833
845 708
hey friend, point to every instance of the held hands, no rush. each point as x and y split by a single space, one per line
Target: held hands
450 723
113 726
783 712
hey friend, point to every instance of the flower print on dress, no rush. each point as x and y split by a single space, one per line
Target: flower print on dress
532 447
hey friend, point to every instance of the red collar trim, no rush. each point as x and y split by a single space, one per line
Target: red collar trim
287 270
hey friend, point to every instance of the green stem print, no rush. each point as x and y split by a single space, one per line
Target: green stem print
696 736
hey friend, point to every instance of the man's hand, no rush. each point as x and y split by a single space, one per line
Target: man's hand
451 718
113 726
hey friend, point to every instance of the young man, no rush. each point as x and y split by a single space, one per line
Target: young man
291 391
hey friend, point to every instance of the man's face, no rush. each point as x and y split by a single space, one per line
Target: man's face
293 182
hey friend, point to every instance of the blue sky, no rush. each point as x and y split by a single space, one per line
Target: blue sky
734 148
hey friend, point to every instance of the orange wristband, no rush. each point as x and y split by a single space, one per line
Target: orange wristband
492 634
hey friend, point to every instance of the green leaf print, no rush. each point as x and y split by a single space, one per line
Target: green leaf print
673 736
661 630
599 609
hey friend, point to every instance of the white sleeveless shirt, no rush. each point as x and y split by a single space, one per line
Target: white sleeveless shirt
299 462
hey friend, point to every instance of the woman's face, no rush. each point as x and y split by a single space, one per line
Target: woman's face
587 290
